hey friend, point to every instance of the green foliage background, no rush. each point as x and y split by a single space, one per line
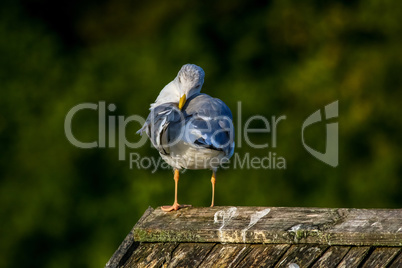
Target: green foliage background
62 206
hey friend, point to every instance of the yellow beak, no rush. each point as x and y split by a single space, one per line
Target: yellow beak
182 101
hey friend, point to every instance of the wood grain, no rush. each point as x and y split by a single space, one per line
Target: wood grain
332 257
301 255
397 262
190 254
151 255
263 255
355 227
381 257
354 257
228 255
128 246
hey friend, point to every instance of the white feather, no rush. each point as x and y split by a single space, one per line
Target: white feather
170 93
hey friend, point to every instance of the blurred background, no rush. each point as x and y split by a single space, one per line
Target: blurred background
62 206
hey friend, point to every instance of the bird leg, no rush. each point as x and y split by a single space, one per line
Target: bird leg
175 205
213 180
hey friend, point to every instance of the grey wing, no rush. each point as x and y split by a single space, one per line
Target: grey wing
209 124
157 124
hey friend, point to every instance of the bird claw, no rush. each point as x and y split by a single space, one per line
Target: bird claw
174 207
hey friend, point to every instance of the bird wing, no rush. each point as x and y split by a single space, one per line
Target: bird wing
157 124
209 124
204 122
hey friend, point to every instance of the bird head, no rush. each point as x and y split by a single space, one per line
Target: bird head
190 80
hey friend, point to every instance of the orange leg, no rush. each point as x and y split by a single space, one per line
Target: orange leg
175 205
213 180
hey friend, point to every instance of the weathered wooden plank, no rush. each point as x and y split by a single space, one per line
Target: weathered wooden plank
127 247
190 254
331 257
144 250
263 255
397 262
150 255
377 227
301 255
228 255
354 257
381 257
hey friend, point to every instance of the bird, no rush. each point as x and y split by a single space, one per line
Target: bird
191 130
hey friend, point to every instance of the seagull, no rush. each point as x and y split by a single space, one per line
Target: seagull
191 130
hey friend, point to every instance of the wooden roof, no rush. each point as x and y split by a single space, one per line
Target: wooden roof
263 237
